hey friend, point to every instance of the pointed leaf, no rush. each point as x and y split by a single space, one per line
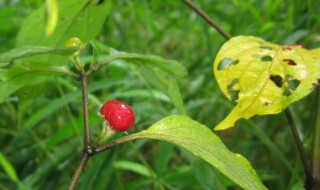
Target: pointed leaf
28 51
170 66
76 18
202 142
11 172
17 77
263 78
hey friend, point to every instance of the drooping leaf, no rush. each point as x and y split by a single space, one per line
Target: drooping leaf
28 51
76 18
202 142
262 77
20 76
170 66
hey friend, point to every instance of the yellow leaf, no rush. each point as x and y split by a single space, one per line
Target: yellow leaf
262 77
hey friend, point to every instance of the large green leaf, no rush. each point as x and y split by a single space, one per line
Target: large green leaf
81 18
202 142
264 78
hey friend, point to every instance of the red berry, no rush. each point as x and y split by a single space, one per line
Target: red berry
119 115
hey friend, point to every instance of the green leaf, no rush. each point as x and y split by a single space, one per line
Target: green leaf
202 142
159 72
132 166
76 18
170 66
262 77
167 84
19 76
11 172
58 103
28 51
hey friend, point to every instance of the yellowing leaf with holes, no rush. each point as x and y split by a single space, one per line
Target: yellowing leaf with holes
262 77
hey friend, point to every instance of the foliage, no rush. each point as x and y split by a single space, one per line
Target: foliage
198 139
264 78
41 124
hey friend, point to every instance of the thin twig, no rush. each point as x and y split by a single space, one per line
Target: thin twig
297 139
316 147
207 18
86 134
77 173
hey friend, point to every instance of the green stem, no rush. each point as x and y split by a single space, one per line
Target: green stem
316 147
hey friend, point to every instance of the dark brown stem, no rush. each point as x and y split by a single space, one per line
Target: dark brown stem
77 173
87 149
86 135
315 183
207 18
301 150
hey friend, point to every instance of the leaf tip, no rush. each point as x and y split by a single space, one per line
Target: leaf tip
223 125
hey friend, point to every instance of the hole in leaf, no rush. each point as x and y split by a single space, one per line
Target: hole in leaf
226 62
278 81
289 62
266 58
315 85
266 47
99 2
293 84
287 92
267 104
231 91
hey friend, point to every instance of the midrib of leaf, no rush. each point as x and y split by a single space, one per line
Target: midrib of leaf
159 136
29 72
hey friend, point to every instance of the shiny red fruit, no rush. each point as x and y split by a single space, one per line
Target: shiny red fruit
119 115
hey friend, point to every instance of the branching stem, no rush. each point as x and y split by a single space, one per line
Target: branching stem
87 149
77 173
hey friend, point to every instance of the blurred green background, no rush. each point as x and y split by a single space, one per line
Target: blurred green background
41 131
